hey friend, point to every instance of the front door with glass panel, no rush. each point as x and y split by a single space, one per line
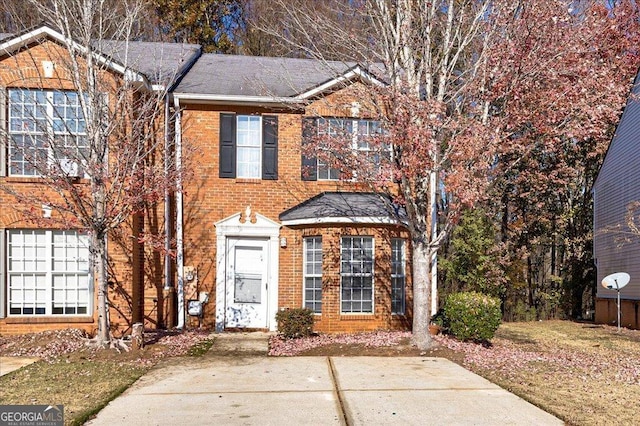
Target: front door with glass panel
246 283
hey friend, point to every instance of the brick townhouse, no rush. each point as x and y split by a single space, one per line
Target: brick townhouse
262 225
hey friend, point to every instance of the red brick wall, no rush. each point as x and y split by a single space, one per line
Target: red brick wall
210 199
331 320
25 70
607 312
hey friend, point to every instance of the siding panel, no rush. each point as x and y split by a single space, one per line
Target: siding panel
618 184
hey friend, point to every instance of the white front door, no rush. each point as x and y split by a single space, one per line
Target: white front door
246 283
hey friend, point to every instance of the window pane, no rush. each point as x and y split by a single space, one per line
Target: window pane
34 289
357 274
248 288
249 151
313 273
34 117
398 278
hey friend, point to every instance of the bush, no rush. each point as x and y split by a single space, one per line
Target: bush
294 323
472 316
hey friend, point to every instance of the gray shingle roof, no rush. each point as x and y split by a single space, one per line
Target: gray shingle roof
160 62
345 205
234 75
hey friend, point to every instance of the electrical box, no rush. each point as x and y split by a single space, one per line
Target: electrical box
194 308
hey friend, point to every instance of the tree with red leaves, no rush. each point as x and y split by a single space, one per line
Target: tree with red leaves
560 75
473 88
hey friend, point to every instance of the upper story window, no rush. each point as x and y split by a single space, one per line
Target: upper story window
358 133
46 128
248 146
249 137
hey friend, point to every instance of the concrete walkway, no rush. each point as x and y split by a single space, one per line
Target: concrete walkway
10 363
233 385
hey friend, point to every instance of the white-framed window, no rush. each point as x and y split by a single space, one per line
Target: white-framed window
249 143
331 127
356 274
45 126
313 274
361 131
48 272
398 276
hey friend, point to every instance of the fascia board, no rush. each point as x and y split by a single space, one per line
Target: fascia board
374 220
234 99
350 75
19 41
16 42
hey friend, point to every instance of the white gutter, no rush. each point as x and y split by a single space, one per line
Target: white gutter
167 197
179 217
380 220
434 229
234 99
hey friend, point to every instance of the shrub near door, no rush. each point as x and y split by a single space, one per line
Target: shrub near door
294 323
472 316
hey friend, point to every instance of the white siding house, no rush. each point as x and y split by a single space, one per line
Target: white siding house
615 248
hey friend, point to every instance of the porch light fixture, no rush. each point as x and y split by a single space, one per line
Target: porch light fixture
189 273
283 242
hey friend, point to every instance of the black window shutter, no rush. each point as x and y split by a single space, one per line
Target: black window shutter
269 147
227 145
309 170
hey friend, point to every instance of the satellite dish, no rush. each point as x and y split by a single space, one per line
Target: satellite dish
616 281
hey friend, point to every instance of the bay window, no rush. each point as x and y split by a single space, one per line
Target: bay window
356 274
313 274
398 276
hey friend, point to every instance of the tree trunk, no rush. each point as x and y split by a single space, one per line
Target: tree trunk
421 295
137 336
100 256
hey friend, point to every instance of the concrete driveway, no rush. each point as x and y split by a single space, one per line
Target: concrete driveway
258 390
10 363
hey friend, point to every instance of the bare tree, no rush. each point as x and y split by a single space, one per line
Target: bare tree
95 140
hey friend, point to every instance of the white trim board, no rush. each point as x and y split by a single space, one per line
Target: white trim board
261 228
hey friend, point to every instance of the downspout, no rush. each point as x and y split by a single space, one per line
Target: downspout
179 216
167 197
434 229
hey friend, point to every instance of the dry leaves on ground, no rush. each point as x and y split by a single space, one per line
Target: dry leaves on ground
508 358
46 345
279 346
51 345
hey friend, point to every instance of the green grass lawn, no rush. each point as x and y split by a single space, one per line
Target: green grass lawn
83 387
